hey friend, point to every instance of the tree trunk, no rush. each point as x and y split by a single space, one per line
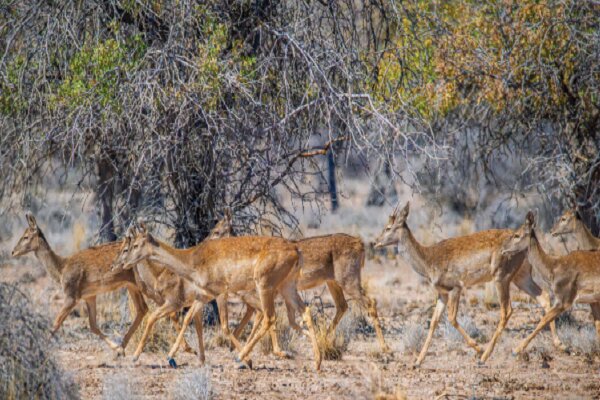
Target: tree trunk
382 188
105 194
332 180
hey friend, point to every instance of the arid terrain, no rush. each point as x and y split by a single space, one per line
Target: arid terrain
405 304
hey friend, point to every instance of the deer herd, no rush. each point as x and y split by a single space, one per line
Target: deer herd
256 269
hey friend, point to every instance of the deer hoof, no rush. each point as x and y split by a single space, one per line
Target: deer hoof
172 362
120 352
243 364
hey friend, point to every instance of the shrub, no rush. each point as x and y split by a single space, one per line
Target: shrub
27 369
195 385
413 337
118 387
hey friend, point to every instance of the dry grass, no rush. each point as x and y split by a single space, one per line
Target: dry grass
195 385
27 368
412 338
580 339
118 387
333 346
381 390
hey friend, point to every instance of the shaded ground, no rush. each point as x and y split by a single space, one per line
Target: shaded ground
449 371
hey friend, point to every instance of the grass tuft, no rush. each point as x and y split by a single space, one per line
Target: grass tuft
27 368
194 385
333 346
412 338
118 387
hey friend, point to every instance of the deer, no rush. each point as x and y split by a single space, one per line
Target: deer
334 260
172 293
454 264
83 276
570 224
571 278
254 267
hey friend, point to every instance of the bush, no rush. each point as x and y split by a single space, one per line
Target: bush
118 387
413 337
27 369
580 340
195 385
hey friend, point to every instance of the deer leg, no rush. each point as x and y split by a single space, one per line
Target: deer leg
370 304
90 303
157 314
435 320
341 306
252 300
503 289
596 314
67 307
194 309
198 324
453 302
245 319
177 327
141 309
224 319
524 281
267 299
291 296
546 319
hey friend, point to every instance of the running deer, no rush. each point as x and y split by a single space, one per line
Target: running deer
247 266
171 292
571 225
83 276
454 264
574 277
335 260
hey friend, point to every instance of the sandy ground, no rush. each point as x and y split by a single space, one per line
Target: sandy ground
449 371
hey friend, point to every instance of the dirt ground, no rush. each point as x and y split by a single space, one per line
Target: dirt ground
449 371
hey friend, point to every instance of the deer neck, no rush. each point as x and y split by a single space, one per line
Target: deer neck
538 258
176 260
149 271
50 260
414 252
586 240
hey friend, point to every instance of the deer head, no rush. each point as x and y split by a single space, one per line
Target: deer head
31 240
568 223
138 245
119 262
520 239
393 231
223 228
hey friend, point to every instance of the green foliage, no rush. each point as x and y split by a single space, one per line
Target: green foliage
96 71
521 57
11 96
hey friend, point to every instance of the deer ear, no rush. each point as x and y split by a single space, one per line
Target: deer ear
405 210
577 215
130 232
150 239
227 213
530 219
31 221
142 228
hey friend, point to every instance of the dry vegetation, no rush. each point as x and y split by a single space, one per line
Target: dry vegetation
302 118
28 369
